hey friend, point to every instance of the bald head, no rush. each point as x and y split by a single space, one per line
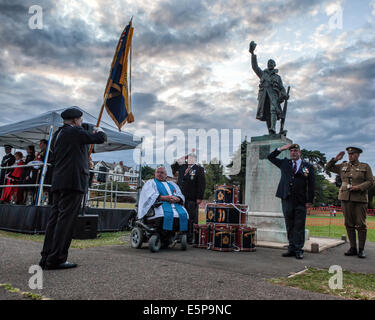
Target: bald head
161 173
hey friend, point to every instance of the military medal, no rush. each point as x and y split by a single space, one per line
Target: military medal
305 171
192 174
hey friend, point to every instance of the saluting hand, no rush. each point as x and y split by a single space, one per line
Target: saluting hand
286 147
340 156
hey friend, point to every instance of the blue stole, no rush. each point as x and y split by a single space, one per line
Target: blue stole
168 211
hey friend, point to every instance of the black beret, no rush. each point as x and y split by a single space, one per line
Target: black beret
71 113
7 146
353 150
294 146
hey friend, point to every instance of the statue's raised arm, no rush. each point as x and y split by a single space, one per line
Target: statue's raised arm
254 61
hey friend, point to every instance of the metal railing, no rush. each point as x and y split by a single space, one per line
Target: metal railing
43 198
113 194
110 191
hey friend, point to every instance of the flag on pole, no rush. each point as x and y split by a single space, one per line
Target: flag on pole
117 95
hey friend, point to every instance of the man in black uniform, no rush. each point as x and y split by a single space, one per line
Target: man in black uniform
192 181
70 146
296 190
8 160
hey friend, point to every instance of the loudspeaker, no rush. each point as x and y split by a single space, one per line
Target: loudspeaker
86 227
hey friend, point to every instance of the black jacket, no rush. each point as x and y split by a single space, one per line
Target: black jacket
193 184
299 187
8 160
70 160
26 170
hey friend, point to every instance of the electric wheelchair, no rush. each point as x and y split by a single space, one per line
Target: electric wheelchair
149 229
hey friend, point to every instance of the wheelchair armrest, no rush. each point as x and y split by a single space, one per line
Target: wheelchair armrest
157 204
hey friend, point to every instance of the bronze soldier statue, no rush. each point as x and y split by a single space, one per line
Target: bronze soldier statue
271 93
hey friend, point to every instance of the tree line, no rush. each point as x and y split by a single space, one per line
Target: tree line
327 184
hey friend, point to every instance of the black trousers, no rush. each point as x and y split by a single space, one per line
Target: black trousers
192 209
295 221
60 226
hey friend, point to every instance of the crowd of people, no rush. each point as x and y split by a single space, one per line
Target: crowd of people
23 175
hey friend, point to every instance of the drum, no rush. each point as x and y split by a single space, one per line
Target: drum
226 213
223 237
202 234
226 194
245 239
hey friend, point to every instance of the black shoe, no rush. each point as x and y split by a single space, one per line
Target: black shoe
42 263
361 254
351 252
288 254
65 265
299 255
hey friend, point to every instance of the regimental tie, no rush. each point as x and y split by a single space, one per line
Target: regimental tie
294 167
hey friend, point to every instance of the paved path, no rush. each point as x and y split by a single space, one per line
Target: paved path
120 272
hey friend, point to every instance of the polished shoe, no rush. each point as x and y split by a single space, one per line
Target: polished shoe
351 252
65 265
42 263
361 254
299 255
288 254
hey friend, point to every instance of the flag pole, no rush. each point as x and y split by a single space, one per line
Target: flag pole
100 114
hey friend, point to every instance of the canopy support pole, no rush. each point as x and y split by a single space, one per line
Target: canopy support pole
44 170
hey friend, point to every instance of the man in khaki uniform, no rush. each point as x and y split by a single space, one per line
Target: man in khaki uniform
356 179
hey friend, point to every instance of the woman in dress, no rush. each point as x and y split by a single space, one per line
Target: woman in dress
14 194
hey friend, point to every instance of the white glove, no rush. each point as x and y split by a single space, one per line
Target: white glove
98 129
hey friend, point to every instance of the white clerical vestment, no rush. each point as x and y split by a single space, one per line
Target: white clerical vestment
150 193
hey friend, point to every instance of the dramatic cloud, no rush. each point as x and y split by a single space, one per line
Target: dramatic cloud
191 65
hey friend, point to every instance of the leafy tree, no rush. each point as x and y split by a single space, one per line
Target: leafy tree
214 175
317 159
240 178
325 191
147 173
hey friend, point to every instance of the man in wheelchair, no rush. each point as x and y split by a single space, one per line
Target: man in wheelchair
160 214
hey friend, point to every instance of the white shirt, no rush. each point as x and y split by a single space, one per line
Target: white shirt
298 162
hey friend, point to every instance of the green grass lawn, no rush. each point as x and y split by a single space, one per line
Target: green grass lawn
335 232
338 217
331 229
326 231
103 239
354 285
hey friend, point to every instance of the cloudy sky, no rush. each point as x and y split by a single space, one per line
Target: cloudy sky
191 65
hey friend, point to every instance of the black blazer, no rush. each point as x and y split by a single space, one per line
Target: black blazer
299 187
8 160
193 184
70 146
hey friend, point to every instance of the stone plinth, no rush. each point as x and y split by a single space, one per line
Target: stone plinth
262 179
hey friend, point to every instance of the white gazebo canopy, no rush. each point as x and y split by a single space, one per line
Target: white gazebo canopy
29 132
